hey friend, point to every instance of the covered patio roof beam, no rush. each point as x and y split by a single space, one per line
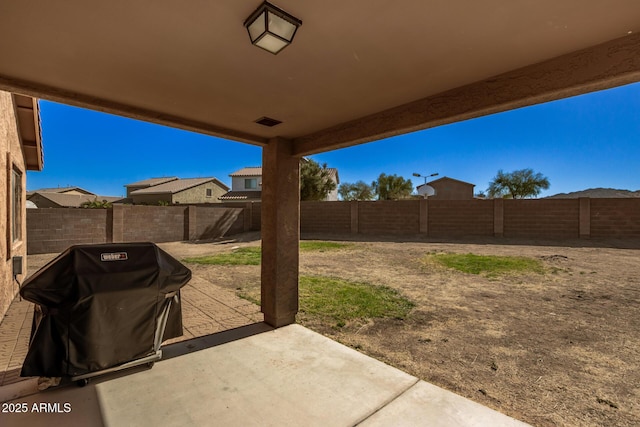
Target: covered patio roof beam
106 106
608 65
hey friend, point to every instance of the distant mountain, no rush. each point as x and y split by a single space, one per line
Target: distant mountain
597 193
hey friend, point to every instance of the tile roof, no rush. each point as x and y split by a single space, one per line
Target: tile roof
241 195
249 171
59 190
177 185
449 179
152 181
75 200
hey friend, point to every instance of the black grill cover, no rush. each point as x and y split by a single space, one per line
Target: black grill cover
98 306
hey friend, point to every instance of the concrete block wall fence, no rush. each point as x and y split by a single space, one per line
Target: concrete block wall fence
546 218
461 218
53 230
529 218
614 217
48 230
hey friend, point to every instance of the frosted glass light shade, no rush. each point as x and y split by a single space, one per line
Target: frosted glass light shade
271 28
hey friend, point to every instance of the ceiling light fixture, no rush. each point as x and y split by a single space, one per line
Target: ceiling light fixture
271 28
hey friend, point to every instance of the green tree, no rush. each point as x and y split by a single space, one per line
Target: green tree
518 184
315 180
359 190
96 204
392 187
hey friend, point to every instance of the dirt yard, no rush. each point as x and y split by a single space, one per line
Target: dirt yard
557 348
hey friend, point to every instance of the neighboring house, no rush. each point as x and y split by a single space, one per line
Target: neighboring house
179 191
61 190
333 175
21 148
246 185
333 195
148 183
66 200
65 197
446 189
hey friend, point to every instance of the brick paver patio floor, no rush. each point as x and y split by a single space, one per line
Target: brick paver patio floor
206 309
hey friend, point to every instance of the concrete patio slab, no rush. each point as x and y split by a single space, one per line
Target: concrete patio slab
427 404
282 377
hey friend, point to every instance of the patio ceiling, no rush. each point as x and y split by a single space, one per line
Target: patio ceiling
357 71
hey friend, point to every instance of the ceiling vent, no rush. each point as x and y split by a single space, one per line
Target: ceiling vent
267 121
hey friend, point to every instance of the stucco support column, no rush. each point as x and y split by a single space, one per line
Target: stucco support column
498 217
585 217
280 222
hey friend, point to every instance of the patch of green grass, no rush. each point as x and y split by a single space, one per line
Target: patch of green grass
488 265
251 255
241 256
322 246
342 300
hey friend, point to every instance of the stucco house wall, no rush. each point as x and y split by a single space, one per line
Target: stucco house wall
198 194
151 199
451 189
240 192
181 191
11 158
237 183
333 194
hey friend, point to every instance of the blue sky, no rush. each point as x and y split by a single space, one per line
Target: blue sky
578 143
